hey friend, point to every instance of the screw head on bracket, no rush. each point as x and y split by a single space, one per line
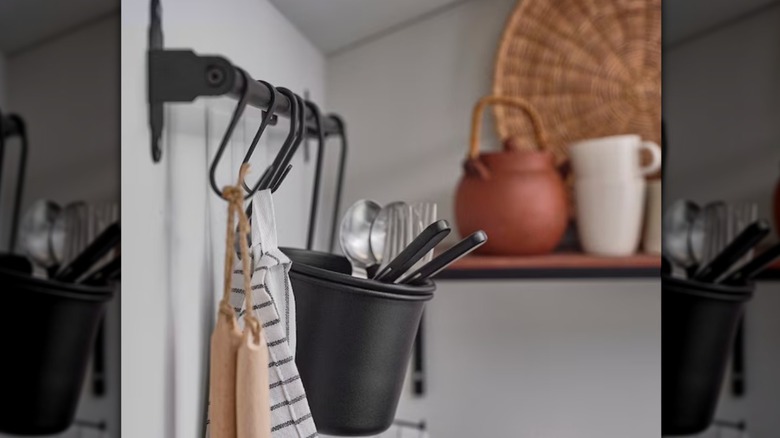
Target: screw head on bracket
215 76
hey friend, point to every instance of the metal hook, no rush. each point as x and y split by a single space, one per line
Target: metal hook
240 106
268 116
300 137
277 167
282 162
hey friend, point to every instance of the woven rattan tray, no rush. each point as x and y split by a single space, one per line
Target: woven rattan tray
592 68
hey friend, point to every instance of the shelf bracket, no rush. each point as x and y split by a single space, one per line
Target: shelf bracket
182 76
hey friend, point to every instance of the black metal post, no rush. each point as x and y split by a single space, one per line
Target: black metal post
738 386
315 196
342 128
13 125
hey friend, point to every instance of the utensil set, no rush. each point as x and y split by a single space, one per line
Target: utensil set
73 243
386 243
715 243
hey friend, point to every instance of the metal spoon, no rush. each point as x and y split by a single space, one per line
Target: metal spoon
701 236
383 222
354 235
36 227
678 223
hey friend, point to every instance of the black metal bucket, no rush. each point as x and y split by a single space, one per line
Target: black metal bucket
699 325
355 337
47 332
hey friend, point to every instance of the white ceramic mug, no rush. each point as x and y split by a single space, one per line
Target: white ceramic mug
653 239
613 158
609 215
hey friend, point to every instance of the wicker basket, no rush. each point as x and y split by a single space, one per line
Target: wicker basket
592 68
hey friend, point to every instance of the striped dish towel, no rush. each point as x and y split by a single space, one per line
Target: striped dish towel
274 307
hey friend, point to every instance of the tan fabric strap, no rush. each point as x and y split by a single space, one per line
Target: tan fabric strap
235 197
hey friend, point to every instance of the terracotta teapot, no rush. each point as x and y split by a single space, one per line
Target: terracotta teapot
517 196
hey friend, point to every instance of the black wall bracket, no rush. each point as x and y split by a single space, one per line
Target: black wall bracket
182 76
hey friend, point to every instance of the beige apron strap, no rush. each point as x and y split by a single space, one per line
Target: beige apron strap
253 399
226 337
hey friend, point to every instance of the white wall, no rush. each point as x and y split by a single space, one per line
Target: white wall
173 223
67 91
722 106
553 358
542 359
407 99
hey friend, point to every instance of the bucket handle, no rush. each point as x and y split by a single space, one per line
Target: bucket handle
476 121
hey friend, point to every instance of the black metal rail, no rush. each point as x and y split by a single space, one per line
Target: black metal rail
183 76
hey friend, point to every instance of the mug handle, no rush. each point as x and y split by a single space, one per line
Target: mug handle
655 152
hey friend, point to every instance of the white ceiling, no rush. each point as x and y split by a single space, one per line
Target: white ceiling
25 22
685 18
330 24
334 24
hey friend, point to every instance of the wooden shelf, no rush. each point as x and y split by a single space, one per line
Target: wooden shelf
552 266
564 266
772 273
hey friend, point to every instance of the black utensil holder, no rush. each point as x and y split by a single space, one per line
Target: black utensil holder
699 325
355 338
47 332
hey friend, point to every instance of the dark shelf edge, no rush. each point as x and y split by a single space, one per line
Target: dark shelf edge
772 275
549 273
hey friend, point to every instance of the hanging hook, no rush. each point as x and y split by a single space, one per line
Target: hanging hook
273 171
240 106
281 165
300 137
267 117
290 153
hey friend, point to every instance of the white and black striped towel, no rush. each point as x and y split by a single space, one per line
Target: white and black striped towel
274 307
